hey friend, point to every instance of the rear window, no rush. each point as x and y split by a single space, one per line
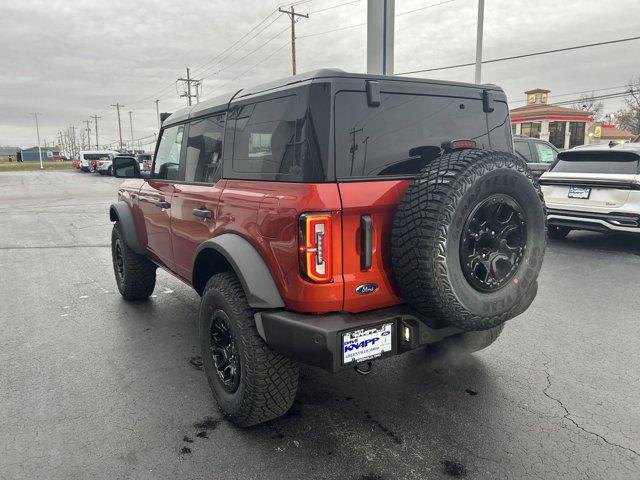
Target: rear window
403 134
605 162
95 156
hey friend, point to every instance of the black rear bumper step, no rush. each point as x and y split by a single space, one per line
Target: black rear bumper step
317 339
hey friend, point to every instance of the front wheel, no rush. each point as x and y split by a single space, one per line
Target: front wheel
251 383
135 274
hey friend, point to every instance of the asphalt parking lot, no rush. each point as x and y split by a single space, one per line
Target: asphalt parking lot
94 387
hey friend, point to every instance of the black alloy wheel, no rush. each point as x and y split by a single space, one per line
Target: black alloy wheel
493 243
223 351
119 260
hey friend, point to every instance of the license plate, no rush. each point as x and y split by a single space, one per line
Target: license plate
367 343
579 192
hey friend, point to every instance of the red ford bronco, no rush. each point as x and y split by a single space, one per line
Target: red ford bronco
333 219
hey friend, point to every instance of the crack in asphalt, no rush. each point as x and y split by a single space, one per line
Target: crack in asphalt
567 415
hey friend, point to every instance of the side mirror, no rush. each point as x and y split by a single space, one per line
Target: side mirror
125 167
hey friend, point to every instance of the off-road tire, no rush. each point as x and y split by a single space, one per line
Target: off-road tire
268 380
427 230
558 233
138 278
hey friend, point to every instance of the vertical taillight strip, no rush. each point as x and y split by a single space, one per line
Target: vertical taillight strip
316 247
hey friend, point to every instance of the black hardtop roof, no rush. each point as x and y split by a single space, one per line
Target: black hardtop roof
220 102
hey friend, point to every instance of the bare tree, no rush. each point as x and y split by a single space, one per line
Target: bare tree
628 118
589 104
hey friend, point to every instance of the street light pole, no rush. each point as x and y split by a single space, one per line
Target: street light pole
35 114
117 105
479 41
158 113
131 126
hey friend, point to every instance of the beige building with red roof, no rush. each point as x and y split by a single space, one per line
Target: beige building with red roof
563 127
610 133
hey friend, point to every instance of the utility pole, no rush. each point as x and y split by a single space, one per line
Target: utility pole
479 41
88 129
158 113
189 81
74 146
117 105
131 126
35 114
292 14
95 121
380 36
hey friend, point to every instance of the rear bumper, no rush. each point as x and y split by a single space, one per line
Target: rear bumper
595 221
317 339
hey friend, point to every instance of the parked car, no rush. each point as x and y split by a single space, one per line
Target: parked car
76 163
89 159
145 160
103 166
333 219
594 189
539 154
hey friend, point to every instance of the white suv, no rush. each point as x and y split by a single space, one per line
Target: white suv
594 189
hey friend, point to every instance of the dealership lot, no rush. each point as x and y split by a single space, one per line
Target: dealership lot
94 387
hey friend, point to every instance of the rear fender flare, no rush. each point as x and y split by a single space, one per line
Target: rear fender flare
248 265
121 213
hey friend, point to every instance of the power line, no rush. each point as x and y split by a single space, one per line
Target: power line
525 55
254 66
221 56
364 23
574 93
334 6
248 54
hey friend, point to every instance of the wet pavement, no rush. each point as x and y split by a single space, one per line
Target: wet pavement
94 387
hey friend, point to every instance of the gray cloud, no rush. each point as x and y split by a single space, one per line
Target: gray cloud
72 59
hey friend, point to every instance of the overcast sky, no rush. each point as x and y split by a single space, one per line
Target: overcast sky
71 59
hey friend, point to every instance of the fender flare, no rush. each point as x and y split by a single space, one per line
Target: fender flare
121 213
248 265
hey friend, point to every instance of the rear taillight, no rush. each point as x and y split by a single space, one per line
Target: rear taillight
315 246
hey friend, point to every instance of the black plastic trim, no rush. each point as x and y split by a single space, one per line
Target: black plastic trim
121 213
248 265
316 339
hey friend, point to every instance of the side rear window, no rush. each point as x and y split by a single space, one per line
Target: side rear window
167 162
204 149
523 150
266 140
403 133
603 162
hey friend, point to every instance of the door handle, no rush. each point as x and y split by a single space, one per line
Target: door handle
162 204
366 242
201 213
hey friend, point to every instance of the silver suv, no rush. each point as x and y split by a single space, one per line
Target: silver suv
596 188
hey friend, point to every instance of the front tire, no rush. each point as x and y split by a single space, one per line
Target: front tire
135 274
251 383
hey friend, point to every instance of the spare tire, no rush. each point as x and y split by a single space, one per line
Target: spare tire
468 239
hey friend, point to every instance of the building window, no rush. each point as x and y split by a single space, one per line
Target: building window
513 128
530 129
556 133
576 134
